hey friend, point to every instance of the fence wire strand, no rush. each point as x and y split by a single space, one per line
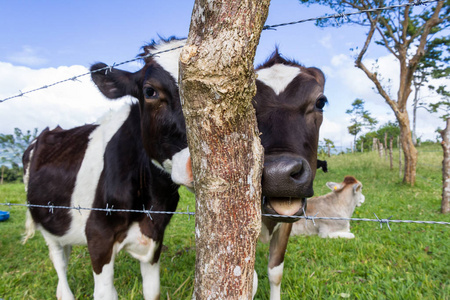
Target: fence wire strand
266 27
345 15
75 78
108 210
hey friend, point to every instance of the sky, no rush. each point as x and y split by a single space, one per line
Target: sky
47 41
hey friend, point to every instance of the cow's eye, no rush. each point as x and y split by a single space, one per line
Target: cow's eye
320 102
150 93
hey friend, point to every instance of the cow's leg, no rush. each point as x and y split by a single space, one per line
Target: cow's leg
60 258
255 283
340 234
278 245
104 282
150 280
148 252
102 251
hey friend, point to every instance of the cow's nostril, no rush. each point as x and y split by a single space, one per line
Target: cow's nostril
296 175
296 170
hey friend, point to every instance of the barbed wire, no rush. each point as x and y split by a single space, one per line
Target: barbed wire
266 27
75 78
108 210
345 15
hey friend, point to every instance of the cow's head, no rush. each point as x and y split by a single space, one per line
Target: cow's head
162 123
350 183
288 103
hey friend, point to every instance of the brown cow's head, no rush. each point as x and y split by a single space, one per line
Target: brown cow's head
288 103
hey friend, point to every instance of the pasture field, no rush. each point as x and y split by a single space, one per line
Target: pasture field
410 262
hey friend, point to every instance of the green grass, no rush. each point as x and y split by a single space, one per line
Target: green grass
410 262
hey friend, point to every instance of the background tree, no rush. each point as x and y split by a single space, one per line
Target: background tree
359 118
217 84
435 64
443 106
12 147
405 33
325 148
445 203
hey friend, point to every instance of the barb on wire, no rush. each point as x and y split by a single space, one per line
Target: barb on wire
50 205
147 212
309 217
385 221
108 210
79 209
110 68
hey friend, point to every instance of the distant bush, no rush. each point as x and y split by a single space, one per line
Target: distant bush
13 174
392 130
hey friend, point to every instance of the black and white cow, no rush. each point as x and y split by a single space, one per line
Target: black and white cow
126 161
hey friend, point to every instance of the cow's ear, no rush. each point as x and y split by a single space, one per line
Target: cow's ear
334 186
113 83
318 75
357 187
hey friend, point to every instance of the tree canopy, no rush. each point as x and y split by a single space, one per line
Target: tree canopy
360 118
12 146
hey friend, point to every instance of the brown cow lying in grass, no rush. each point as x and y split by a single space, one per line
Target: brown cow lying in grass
341 202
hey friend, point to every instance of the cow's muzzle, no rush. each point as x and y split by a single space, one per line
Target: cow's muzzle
286 183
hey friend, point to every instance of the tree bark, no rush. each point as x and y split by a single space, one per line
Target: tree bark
409 151
399 145
391 163
217 84
445 205
380 149
385 146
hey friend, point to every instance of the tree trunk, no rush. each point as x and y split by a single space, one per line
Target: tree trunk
385 146
217 84
445 205
380 149
3 173
391 164
399 145
409 150
415 102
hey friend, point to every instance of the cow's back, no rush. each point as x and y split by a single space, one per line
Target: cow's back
64 170
54 160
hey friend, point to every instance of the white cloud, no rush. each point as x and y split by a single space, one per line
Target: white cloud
68 104
28 56
326 41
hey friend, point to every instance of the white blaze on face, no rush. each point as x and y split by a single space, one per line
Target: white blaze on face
278 76
169 60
